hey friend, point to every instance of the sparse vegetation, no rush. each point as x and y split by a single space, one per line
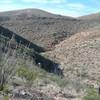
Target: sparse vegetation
6 97
58 80
19 62
30 74
65 72
47 31
91 94
8 65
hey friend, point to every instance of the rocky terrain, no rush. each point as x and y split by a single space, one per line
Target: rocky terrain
79 57
94 16
43 28
68 71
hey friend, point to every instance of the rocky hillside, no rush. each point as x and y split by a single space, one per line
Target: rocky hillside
95 16
71 68
92 18
23 45
79 56
43 28
29 13
22 76
79 59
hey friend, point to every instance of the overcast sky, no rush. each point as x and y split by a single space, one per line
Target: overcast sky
73 8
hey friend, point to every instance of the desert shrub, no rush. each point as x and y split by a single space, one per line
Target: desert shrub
42 74
8 65
27 73
91 94
58 80
6 97
9 61
33 73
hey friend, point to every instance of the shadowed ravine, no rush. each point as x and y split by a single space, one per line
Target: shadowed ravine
46 64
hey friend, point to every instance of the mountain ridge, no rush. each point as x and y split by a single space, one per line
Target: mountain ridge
42 30
35 12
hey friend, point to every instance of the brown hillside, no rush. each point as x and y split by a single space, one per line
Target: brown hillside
43 28
80 56
94 16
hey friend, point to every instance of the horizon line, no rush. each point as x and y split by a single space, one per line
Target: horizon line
47 12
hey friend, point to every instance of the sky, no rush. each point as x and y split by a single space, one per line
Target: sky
74 8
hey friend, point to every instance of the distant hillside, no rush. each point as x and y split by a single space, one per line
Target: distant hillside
92 18
29 13
43 28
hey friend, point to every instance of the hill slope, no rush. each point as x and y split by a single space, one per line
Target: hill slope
79 56
29 13
40 27
18 43
92 18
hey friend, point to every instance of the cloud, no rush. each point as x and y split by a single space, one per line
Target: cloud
5 1
44 1
7 7
65 12
70 9
64 7
76 6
